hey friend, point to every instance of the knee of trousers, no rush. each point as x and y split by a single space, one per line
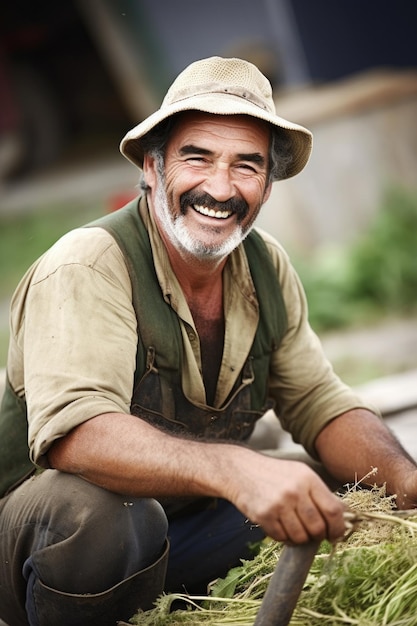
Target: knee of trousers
49 607
90 539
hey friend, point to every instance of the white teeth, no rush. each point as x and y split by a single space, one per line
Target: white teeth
211 212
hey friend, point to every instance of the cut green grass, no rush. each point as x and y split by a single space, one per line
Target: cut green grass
370 579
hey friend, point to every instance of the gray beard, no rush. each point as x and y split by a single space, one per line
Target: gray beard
178 234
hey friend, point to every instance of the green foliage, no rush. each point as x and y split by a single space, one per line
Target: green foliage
326 283
376 275
360 583
384 264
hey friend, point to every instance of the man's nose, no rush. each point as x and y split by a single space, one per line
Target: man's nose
219 183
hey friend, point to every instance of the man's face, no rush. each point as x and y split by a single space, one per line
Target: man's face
213 184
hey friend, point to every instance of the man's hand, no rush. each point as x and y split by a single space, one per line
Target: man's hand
288 499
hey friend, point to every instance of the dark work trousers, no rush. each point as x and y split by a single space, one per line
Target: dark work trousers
74 554
205 545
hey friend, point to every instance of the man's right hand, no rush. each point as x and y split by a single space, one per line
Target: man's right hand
286 498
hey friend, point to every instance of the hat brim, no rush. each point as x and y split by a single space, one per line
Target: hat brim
221 103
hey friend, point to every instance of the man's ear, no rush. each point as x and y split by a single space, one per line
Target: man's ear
149 170
267 193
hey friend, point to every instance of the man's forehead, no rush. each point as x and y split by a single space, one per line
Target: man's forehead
191 123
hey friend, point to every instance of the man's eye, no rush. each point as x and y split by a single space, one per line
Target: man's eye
196 159
246 167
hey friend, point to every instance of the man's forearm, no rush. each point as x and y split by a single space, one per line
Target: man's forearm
356 442
127 455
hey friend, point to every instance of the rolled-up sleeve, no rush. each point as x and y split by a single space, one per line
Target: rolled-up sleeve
79 337
307 392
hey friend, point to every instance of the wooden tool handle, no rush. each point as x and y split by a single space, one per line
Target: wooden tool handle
286 584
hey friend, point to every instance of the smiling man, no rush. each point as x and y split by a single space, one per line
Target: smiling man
218 169
144 347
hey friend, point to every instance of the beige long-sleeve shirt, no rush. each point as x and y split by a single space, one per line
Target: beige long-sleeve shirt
74 336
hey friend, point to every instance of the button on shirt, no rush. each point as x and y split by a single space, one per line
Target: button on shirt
74 336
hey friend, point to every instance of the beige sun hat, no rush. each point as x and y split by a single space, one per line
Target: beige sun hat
222 87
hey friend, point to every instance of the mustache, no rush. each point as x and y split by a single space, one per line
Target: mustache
235 205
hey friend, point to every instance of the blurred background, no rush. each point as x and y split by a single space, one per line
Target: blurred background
75 76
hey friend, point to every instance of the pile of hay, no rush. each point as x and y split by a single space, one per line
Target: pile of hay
370 579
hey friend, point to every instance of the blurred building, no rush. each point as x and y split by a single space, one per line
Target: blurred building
75 75
87 67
